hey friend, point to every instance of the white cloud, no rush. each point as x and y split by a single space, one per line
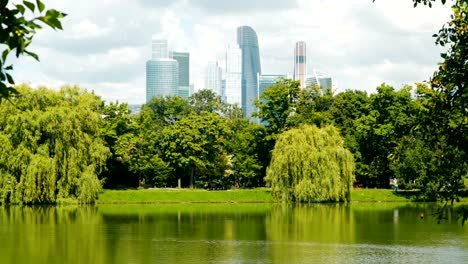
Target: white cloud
105 44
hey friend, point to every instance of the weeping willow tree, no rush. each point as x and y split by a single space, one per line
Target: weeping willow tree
51 148
310 164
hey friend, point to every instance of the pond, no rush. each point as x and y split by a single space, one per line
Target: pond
230 233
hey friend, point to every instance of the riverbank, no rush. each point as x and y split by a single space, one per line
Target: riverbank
260 195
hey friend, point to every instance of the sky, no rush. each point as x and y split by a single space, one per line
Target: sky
105 44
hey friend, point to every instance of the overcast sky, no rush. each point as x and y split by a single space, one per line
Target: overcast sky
105 44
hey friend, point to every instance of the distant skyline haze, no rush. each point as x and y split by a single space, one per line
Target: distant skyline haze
105 44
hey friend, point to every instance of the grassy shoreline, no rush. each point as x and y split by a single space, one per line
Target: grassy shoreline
260 195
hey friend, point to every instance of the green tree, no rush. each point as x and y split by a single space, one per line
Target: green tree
310 164
247 147
195 146
206 101
17 33
277 104
116 122
313 107
52 146
391 116
347 108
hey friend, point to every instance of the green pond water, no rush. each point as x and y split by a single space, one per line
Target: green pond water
230 233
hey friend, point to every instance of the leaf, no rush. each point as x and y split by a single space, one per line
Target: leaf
20 8
10 79
5 54
40 5
29 5
34 55
9 68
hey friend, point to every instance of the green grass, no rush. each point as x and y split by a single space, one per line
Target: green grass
260 195
381 195
185 196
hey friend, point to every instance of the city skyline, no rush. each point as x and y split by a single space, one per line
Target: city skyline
104 48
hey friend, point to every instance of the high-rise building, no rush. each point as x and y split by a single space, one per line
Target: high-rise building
183 58
300 63
162 73
267 80
320 79
248 43
214 78
233 88
159 49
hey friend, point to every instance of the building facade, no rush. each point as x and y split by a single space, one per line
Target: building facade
162 73
233 87
300 63
323 80
267 80
183 58
214 78
248 43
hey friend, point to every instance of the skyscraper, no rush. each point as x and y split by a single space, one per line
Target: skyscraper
248 43
267 80
300 63
320 79
183 58
214 78
158 49
233 90
162 73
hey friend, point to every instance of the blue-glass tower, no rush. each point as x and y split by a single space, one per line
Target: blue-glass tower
248 43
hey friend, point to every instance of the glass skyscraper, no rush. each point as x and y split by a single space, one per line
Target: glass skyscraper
233 88
267 80
183 58
320 79
214 78
300 63
248 43
162 73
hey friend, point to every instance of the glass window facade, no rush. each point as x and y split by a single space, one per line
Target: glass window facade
214 78
183 58
162 78
248 43
233 88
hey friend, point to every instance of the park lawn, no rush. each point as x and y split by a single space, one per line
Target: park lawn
381 195
260 195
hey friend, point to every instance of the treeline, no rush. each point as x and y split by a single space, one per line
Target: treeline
69 143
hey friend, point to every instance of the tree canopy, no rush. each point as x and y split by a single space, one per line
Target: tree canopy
311 164
52 148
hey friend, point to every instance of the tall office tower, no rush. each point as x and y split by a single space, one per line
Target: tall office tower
248 43
300 63
159 49
183 58
162 73
233 88
320 79
214 78
267 80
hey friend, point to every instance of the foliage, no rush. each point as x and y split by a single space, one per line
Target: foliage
277 103
197 143
247 147
206 101
310 164
313 107
391 117
52 146
17 34
116 122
